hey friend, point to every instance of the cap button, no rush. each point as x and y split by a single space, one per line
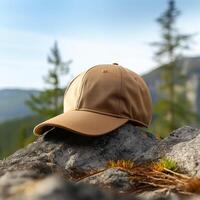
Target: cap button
115 64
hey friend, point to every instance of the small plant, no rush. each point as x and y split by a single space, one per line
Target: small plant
126 164
165 163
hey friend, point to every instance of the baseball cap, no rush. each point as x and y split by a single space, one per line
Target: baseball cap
102 99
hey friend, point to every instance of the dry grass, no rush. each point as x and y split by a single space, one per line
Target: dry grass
161 175
125 164
193 186
153 176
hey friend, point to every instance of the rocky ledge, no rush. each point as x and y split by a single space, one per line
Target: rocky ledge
124 164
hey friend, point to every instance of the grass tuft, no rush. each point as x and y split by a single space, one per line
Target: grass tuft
126 164
165 163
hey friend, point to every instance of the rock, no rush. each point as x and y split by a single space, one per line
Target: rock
111 178
182 146
16 186
69 155
164 194
182 134
53 187
35 172
159 194
187 156
75 155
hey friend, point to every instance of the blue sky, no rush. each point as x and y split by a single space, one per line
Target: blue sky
89 32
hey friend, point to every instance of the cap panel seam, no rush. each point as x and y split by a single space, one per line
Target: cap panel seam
100 112
81 92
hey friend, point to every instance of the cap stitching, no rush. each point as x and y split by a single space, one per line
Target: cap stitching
110 114
101 112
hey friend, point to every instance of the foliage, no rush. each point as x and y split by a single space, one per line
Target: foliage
16 133
49 102
165 163
172 42
173 108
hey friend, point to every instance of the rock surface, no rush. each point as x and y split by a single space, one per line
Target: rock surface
30 172
111 178
182 146
187 156
53 187
74 155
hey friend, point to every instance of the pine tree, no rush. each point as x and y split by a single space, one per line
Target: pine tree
49 102
173 109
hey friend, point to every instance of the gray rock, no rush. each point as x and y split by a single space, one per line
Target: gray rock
111 178
53 187
160 194
183 134
68 155
18 186
164 194
187 156
27 174
75 155
182 146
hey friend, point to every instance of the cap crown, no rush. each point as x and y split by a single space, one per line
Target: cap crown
110 90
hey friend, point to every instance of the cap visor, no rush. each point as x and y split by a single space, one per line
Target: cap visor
82 122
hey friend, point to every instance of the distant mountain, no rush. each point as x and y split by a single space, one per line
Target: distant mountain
191 66
12 103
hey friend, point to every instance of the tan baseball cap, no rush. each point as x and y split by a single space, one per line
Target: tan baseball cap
102 99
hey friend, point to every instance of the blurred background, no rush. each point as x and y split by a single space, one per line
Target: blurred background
44 44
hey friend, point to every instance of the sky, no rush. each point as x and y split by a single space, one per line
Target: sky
88 32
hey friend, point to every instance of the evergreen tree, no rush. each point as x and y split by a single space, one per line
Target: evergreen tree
173 109
49 102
